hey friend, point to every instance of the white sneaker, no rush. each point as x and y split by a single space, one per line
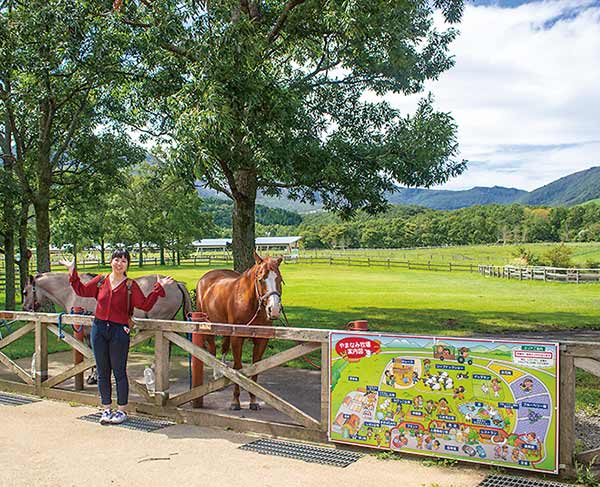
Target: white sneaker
106 416
118 417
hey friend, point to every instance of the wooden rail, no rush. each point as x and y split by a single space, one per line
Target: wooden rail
572 354
557 274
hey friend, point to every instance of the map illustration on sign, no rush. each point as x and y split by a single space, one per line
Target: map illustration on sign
489 401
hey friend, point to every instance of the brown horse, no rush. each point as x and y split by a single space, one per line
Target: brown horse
250 298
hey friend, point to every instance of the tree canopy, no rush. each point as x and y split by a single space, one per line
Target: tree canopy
278 94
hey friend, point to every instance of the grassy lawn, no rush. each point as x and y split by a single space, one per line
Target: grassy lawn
475 254
417 302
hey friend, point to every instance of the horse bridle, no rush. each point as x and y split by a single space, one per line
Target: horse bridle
261 299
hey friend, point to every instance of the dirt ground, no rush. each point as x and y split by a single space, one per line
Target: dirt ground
44 444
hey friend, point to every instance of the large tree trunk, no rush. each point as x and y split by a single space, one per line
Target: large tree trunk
75 253
9 261
244 205
8 226
42 245
162 254
24 251
141 256
41 201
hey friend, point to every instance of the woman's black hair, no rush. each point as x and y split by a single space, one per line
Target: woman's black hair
121 254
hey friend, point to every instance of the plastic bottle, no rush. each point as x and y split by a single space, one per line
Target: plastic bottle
149 380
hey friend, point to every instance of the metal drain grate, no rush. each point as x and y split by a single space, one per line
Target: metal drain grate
514 481
12 400
133 422
299 451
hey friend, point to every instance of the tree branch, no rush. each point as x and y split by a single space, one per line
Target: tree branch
73 125
276 30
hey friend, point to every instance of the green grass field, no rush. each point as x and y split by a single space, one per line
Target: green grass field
401 301
468 254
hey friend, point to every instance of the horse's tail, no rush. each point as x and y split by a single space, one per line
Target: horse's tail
187 300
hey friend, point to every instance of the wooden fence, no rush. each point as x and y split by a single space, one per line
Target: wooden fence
558 274
389 263
164 404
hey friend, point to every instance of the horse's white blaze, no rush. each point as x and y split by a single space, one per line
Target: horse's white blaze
274 301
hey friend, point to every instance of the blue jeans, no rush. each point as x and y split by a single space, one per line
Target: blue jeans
110 343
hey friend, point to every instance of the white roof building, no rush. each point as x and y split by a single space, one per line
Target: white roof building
262 243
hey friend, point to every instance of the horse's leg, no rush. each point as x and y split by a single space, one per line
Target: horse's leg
260 345
237 345
225 344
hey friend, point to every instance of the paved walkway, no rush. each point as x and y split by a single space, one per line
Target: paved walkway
44 444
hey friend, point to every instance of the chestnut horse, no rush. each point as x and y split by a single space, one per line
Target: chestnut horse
250 298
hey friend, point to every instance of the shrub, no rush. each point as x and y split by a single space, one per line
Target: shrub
559 256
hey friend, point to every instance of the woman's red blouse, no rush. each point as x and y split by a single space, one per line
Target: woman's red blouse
112 303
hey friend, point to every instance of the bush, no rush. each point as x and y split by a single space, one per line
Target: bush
592 264
559 256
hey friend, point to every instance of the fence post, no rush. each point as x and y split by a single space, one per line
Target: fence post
429 265
41 355
161 362
544 274
369 261
577 275
388 263
567 413
324 386
470 267
449 266
330 260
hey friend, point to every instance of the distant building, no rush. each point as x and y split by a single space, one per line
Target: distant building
263 244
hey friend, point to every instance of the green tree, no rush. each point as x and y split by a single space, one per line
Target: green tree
58 59
270 96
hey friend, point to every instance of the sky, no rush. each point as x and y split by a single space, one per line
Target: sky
525 91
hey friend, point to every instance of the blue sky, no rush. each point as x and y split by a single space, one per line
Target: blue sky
525 91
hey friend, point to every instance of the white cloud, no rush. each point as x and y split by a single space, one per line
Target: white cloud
524 92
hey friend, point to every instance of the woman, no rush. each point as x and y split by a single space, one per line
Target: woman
116 296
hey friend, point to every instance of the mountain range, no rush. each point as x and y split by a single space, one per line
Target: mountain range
570 190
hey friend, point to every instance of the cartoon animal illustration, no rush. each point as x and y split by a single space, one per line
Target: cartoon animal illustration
459 392
485 389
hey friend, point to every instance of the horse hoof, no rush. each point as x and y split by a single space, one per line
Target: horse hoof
235 407
254 406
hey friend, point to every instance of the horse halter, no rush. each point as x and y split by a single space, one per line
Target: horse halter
263 299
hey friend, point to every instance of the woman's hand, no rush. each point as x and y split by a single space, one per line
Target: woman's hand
69 265
164 281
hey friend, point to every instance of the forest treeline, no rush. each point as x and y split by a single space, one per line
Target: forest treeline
410 226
